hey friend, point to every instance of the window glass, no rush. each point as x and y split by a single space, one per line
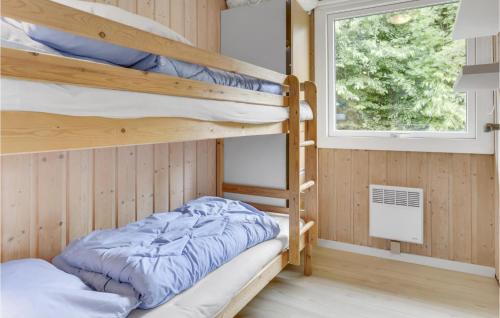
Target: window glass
395 72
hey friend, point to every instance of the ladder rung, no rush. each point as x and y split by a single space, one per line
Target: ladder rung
307 143
306 185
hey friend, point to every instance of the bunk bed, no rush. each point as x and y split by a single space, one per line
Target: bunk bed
27 131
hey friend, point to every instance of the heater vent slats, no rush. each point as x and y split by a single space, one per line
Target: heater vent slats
378 196
402 198
389 197
414 199
396 197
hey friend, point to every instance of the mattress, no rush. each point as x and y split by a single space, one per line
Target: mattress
73 100
210 295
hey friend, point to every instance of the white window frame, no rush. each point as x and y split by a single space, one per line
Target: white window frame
480 104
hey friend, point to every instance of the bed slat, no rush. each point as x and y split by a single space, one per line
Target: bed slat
23 132
268 207
252 190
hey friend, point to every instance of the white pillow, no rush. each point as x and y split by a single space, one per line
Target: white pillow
13 36
307 5
242 3
122 16
34 288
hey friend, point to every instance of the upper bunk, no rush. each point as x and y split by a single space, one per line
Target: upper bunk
55 102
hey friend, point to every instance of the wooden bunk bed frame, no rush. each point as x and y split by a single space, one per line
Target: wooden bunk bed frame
25 132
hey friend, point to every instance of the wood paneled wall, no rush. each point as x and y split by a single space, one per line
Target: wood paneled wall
459 192
301 34
51 198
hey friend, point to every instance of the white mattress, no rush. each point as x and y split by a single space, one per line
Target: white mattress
73 100
210 295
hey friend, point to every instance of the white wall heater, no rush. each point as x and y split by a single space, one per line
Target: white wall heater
397 213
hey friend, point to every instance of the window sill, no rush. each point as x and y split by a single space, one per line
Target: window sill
477 146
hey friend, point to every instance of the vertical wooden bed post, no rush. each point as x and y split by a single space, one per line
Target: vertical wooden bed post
311 173
219 167
294 169
311 164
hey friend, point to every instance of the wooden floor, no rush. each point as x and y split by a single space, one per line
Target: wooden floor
350 285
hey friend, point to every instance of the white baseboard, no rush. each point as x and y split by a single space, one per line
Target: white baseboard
411 258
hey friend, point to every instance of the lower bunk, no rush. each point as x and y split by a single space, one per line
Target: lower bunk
225 291
221 293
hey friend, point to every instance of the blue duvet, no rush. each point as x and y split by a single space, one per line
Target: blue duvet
164 254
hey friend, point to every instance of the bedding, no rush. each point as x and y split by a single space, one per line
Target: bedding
35 288
166 253
75 46
203 300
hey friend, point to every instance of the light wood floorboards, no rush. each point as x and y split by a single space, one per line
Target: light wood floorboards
350 285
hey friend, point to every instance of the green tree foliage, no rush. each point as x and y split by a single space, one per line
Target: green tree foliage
396 71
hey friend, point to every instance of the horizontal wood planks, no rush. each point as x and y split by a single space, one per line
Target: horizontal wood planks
459 193
49 199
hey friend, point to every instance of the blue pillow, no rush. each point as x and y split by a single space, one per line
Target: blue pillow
79 46
36 288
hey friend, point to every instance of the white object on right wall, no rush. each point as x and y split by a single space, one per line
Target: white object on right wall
478 77
477 19
397 213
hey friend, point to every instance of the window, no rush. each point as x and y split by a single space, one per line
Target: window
388 73
395 72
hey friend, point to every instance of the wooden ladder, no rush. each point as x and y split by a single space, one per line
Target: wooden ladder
303 197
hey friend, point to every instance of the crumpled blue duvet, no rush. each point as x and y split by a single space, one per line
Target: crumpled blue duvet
166 253
104 52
